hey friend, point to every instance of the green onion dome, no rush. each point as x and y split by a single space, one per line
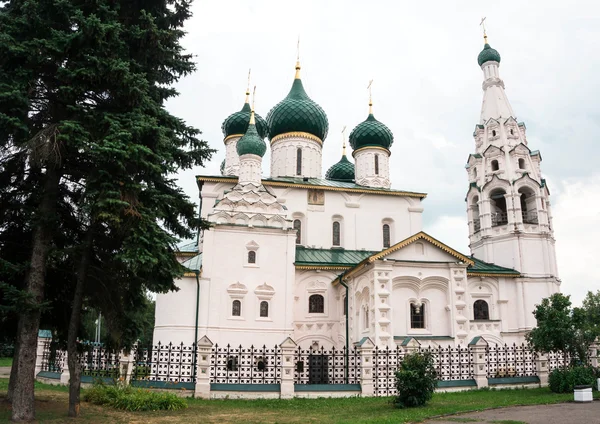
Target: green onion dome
342 171
251 142
488 54
371 132
297 113
236 124
223 167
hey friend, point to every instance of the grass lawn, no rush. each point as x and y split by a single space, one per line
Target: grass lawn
51 404
6 362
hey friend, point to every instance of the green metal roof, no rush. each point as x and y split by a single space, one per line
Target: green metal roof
194 264
297 112
487 268
188 246
488 54
341 171
318 183
371 132
237 123
330 257
251 143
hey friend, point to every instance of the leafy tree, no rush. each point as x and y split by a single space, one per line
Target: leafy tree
415 380
561 328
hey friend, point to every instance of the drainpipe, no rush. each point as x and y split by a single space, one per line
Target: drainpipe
347 326
196 326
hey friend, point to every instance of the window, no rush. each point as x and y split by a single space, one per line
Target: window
366 321
512 132
298 228
386 235
495 166
345 301
481 310
498 207
316 304
252 257
521 163
264 309
236 308
417 315
493 133
376 164
336 233
299 162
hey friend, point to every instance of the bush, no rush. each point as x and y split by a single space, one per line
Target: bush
415 380
563 380
132 399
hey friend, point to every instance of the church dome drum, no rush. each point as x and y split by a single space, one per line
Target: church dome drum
342 171
371 133
237 123
297 113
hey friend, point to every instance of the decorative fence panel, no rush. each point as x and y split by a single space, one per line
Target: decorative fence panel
452 363
385 364
239 365
53 358
174 363
510 361
98 361
557 360
327 366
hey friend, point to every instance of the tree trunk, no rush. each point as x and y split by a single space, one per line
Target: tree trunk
13 371
23 404
74 324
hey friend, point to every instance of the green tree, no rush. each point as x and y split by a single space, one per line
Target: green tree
561 328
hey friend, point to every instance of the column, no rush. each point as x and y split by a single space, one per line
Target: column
365 350
203 355
42 343
65 375
479 348
288 355
126 365
541 367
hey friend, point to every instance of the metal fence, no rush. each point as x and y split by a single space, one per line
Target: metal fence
173 363
510 361
53 358
239 365
98 361
327 366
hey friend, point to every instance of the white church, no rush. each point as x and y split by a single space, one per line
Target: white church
328 261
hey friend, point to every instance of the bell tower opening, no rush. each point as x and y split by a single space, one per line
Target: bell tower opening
528 206
498 207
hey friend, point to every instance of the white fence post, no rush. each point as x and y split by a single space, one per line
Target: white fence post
594 353
44 338
288 354
365 348
65 375
126 359
479 348
204 351
541 367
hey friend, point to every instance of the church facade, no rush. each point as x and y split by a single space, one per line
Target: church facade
330 261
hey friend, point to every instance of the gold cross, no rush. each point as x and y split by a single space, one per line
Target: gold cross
298 49
344 140
482 24
253 98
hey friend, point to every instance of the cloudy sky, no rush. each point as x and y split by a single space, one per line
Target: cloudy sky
422 57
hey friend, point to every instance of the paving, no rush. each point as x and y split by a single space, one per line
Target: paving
562 413
4 372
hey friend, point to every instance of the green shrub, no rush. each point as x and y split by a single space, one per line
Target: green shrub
415 380
563 380
132 399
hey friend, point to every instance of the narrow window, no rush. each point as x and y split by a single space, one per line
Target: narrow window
236 308
345 306
493 133
316 304
512 132
376 164
475 173
264 309
252 257
417 316
366 318
298 228
299 162
495 166
336 233
521 163
386 235
481 310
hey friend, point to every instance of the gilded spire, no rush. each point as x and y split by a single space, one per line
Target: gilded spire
482 24
344 141
252 122
369 87
248 87
298 59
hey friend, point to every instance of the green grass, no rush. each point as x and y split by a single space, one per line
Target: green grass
52 407
6 362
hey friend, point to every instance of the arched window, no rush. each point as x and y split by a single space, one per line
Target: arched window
236 308
528 205
481 310
521 163
495 165
316 304
251 257
417 316
264 309
344 300
336 233
299 162
498 207
493 133
366 321
376 164
298 228
386 235
475 211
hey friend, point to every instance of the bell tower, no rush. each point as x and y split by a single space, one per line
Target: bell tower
508 201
